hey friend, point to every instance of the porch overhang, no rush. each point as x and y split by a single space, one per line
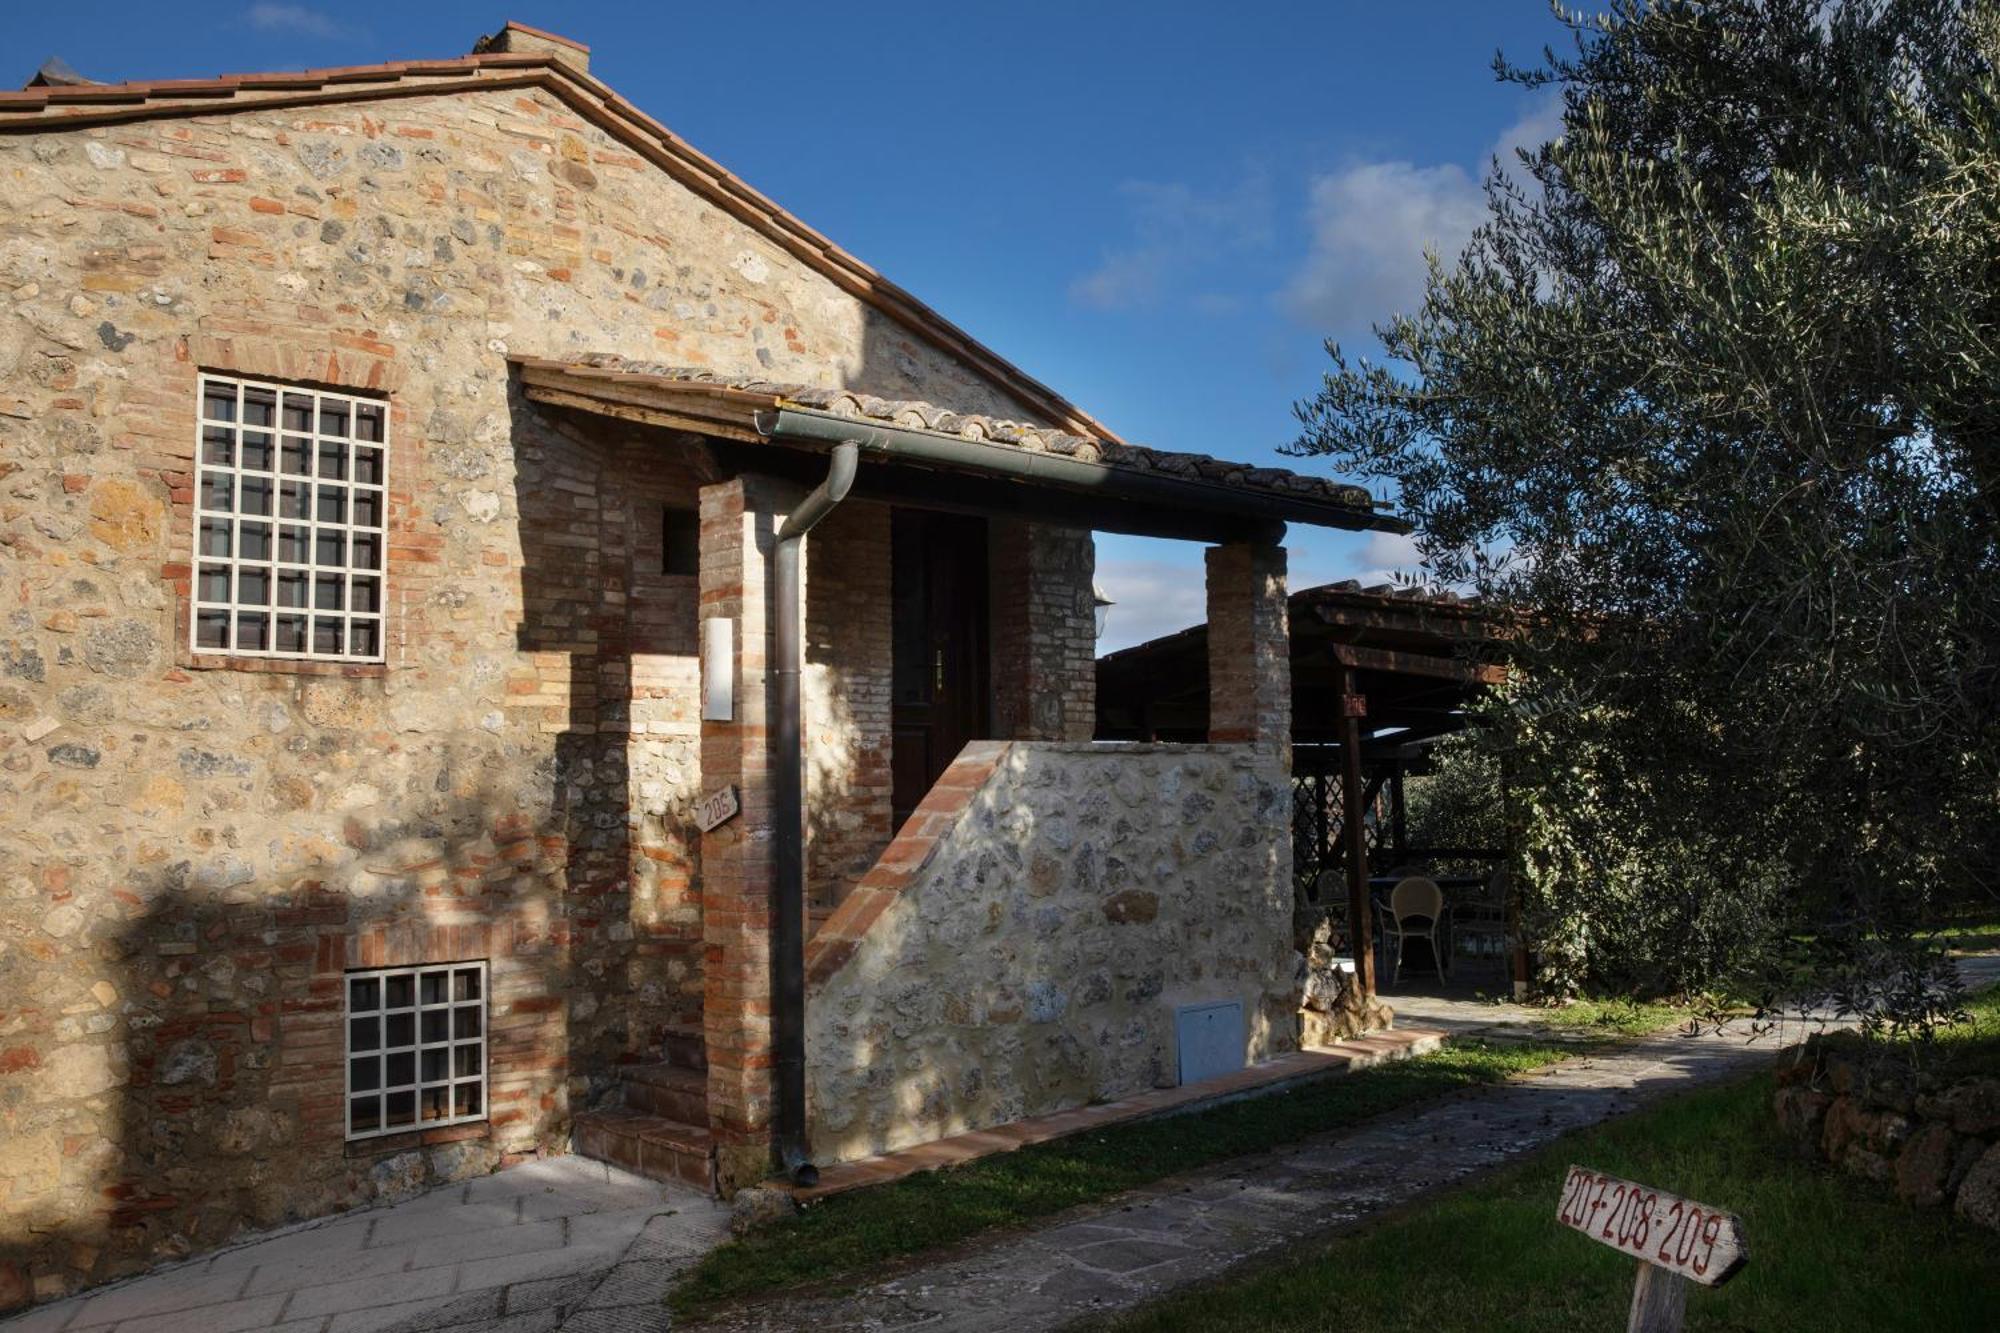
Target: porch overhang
920 455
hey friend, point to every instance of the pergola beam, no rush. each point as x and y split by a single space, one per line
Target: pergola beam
1403 663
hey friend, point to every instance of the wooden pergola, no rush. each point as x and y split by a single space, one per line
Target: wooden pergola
1378 674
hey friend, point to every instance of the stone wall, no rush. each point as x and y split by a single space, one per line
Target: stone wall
194 849
1931 1136
1022 945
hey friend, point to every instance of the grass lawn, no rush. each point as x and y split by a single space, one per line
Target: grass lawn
1827 1252
1975 929
1619 1018
838 1240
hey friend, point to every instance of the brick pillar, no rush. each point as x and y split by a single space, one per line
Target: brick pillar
739 521
1044 624
1249 648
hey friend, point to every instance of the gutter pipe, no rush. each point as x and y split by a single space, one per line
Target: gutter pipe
788 913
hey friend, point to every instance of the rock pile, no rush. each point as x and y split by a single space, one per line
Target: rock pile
1332 1007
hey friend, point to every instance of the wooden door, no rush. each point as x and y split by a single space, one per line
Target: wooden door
938 566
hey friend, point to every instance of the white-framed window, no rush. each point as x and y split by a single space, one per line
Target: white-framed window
291 537
416 1048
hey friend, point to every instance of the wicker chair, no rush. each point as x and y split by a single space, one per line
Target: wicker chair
1416 908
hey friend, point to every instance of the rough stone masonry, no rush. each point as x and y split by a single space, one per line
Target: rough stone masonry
194 853
196 848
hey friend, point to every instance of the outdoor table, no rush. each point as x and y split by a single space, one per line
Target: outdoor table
1445 882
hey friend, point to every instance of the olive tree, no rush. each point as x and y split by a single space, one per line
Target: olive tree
1711 403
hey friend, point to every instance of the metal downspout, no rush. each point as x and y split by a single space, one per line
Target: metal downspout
788 911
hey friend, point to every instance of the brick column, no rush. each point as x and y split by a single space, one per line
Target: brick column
1249 648
739 521
1044 627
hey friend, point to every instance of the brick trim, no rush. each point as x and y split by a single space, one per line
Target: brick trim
349 362
928 826
327 362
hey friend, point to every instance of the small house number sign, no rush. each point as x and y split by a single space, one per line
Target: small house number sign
1676 1241
717 809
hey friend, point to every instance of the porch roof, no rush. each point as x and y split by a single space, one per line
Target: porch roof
1186 494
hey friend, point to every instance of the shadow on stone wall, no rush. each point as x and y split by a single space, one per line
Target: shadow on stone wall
221 1107
201 1093
575 559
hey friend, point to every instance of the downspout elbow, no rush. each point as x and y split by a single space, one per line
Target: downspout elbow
841 467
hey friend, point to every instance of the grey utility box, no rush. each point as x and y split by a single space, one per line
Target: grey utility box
1210 1039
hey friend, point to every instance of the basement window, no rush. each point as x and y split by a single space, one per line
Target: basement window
680 542
291 522
416 1048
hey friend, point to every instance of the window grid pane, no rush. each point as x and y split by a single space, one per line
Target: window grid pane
292 485
416 1048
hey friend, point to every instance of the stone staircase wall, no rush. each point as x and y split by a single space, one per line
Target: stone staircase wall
1023 944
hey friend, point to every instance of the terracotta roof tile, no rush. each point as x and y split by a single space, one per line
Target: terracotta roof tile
972 426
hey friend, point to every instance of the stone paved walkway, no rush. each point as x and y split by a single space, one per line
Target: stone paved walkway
565 1243
1194 1227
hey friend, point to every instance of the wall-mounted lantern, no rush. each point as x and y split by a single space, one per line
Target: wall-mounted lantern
718 669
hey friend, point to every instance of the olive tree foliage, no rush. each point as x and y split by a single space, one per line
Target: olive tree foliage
1712 403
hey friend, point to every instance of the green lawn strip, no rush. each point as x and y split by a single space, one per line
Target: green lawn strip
841 1237
1828 1253
1618 1017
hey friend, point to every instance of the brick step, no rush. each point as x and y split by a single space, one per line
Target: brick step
684 1046
650 1145
664 1090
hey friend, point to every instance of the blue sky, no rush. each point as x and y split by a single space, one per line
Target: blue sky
1159 208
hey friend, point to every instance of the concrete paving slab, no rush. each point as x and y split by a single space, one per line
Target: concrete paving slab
181 1289
392 1318
509 1269
259 1312
304 1269
460 1220
369 1292
326 1242
452 1246
518 1252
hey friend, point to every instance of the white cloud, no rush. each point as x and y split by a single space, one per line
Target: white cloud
292 19
1151 597
1177 231
1389 557
1371 225
1372 222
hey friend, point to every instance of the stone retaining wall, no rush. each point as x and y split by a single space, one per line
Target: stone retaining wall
1933 1139
1022 946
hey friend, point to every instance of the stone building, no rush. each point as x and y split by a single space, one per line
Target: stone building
393 713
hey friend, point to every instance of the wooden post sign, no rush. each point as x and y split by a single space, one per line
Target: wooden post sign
717 809
1676 1241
